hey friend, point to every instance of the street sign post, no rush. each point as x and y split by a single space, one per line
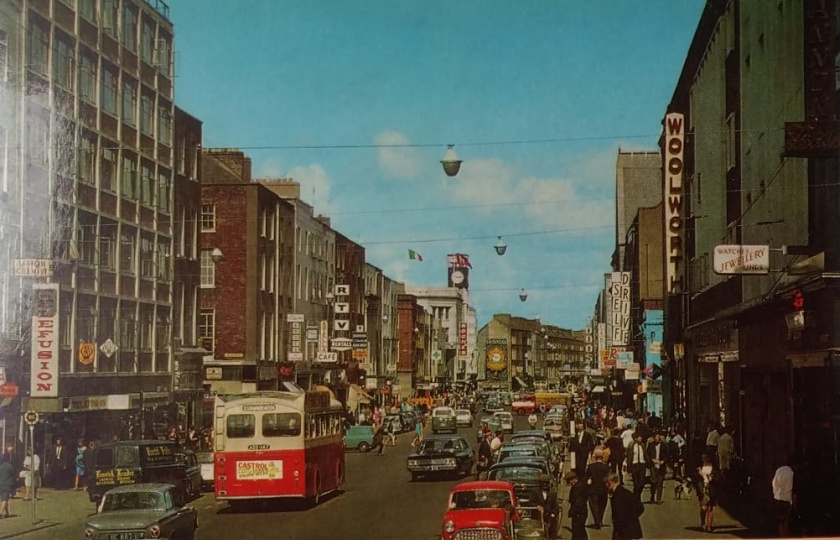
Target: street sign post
31 418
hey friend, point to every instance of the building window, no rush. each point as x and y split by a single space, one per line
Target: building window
87 9
129 102
163 262
164 126
87 244
110 13
87 77
129 29
4 56
127 327
145 327
208 217
147 176
4 160
163 56
164 192
207 328
208 269
146 114
109 91
64 64
147 41
106 252
147 257
87 159
38 58
38 140
108 166
129 179
127 253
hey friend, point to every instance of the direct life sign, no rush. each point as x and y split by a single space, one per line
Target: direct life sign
44 361
736 259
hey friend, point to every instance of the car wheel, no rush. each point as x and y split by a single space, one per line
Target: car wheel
363 447
521 412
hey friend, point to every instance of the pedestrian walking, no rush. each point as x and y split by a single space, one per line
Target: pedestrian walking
485 455
725 449
676 448
707 492
87 460
712 439
58 465
657 455
616 447
418 432
577 506
379 440
390 431
582 445
79 464
8 479
637 464
31 474
496 444
596 475
784 496
626 509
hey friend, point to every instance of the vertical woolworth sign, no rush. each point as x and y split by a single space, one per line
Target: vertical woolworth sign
673 173
44 361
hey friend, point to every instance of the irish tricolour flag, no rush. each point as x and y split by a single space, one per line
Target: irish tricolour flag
414 256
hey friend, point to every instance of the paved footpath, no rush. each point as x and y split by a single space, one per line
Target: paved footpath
671 519
52 508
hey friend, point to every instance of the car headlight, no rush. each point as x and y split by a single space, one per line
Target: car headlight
89 533
413 462
449 526
154 531
450 461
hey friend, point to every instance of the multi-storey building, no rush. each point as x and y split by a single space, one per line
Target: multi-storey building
93 102
390 318
310 280
350 272
247 237
753 162
638 184
188 355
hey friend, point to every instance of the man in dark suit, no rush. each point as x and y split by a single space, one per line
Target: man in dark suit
626 509
577 506
637 463
58 468
581 445
657 456
596 474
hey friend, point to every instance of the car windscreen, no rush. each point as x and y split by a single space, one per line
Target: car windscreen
462 413
132 500
443 413
514 452
480 498
439 445
516 474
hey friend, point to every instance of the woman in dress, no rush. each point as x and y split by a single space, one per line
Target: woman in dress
80 464
706 495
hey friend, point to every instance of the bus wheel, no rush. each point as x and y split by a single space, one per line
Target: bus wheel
521 412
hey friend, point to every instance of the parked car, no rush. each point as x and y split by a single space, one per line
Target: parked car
193 482
208 476
517 450
142 511
557 427
358 437
524 406
442 454
493 405
443 419
534 462
533 489
463 418
507 420
481 510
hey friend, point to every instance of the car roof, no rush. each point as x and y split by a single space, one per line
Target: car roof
531 433
442 438
475 485
520 462
145 488
148 442
519 447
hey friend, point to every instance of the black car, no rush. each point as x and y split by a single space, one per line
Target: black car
442 454
533 489
193 482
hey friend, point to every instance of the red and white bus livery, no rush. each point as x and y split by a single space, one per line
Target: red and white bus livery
278 444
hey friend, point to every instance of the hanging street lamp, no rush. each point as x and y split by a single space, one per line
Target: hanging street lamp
500 247
451 162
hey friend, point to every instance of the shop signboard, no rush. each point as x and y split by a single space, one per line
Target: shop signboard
45 339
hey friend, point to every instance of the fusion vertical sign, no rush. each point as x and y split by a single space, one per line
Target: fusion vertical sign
674 171
44 362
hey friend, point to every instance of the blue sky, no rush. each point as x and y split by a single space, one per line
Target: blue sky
488 75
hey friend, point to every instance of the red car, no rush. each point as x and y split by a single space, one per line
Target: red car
524 406
483 510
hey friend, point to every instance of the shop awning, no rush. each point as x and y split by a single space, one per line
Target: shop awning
357 396
520 383
598 389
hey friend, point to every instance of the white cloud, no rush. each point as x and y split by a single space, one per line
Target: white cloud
548 201
398 162
315 186
271 168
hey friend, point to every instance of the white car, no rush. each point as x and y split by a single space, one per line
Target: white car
506 419
463 417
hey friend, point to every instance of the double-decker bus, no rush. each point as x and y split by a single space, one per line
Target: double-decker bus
278 444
